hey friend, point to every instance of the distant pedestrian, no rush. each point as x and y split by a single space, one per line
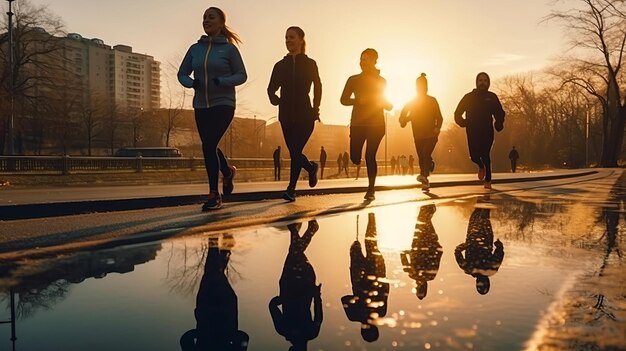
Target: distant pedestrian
323 157
404 164
277 163
365 92
513 156
393 165
294 75
345 162
411 164
216 72
425 116
481 108
339 164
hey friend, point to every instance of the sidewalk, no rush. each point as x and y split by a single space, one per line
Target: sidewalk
49 202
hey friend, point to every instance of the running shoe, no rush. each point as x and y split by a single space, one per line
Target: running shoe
313 174
227 182
214 202
290 195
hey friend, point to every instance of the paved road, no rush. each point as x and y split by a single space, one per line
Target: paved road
48 202
19 237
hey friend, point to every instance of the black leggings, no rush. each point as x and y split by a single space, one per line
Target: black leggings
424 148
373 135
296 136
480 141
212 123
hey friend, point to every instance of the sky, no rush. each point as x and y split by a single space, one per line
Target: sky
450 40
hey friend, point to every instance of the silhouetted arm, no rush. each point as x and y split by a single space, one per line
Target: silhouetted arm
318 313
184 71
346 95
317 89
498 254
458 254
438 116
273 86
238 70
458 113
404 258
277 315
404 115
498 113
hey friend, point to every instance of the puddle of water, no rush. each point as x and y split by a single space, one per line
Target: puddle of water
473 274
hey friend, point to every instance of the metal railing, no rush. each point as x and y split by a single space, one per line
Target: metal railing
81 164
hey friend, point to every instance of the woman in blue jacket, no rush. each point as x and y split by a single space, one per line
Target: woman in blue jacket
294 75
217 69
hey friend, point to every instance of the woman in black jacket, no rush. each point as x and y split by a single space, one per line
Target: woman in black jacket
294 75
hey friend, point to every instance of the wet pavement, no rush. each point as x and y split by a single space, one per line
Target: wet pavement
533 269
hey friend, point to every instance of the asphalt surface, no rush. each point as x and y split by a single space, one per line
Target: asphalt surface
51 202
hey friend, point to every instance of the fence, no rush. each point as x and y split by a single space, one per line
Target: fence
80 164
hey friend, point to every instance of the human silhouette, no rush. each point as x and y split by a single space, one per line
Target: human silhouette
425 116
294 75
369 288
365 92
393 165
291 309
481 260
339 164
411 164
323 157
483 112
345 162
422 261
277 161
513 156
216 73
216 309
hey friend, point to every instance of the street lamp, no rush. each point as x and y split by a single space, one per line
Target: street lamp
11 85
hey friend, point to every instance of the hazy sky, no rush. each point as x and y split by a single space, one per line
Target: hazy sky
449 40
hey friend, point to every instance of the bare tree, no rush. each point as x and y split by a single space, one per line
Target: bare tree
34 39
175 99
598 37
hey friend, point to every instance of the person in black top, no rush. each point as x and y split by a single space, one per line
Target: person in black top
216 310
291 309
370 290
323 157
481 108
294 75
365 92
277 164
425 116
422 261
513 156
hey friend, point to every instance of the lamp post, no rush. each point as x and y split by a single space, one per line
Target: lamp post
11 85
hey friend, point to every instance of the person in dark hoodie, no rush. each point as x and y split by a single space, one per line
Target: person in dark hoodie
483 112
217 69
481 260
425 116
365 92
294 75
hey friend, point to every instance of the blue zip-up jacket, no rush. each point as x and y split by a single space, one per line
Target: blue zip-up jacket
217 69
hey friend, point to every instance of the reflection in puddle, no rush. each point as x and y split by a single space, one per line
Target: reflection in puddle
421 276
